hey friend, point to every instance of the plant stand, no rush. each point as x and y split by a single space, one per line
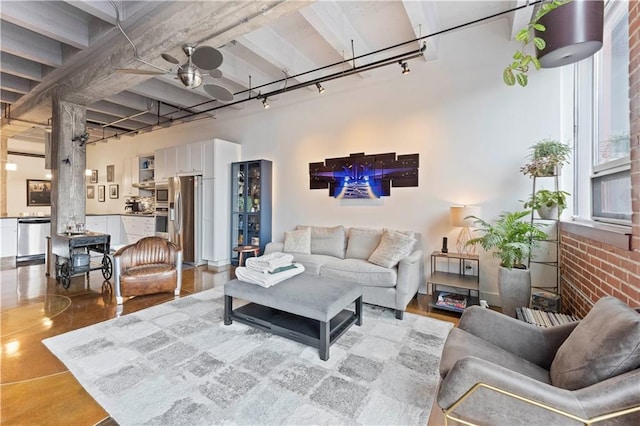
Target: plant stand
551 264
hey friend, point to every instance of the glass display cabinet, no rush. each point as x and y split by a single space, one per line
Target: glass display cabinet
250 205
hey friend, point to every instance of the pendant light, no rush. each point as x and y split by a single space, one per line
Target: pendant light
573 32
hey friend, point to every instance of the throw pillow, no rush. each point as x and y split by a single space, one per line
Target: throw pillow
329 241
298 241
393 247
605 344
362 242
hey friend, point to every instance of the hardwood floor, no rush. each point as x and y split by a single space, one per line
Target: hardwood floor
36 388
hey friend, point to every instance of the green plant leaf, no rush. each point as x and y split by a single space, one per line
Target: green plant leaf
536 63
522 79
540 43
539 27
517 55
508 77
523 35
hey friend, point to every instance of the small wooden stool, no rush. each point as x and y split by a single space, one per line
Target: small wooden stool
243 250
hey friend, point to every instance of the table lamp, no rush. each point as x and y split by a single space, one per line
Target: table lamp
458 215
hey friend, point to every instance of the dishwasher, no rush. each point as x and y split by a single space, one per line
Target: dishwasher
32 238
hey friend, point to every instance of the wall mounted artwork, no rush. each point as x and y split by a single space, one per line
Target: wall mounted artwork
364 176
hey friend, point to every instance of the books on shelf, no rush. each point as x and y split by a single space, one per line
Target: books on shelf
452 300
543 318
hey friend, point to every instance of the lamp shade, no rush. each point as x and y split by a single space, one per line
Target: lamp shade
572 33
458 214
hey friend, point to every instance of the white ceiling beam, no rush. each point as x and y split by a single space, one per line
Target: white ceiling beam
48 20
102 119
100 9
29 45
424 18
521 17
138 102
20 67
9 97
15 84
168 93
238 71
329 21
267 44
122 111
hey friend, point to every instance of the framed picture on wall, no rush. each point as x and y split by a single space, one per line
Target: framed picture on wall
91 191
113 191
94 176
38 192
110 173
101 193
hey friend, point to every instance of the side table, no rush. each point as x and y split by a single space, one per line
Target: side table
244 250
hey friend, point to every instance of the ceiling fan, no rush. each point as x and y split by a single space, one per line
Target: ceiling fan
201 58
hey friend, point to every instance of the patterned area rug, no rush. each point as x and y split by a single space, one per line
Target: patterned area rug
178 364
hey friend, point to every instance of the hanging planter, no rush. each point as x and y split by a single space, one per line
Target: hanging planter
573 33
562 31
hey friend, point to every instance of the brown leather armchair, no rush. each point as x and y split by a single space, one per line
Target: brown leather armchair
152 265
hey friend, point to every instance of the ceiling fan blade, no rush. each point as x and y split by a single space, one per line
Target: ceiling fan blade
218 92
215 73
207 57
169 58
137 71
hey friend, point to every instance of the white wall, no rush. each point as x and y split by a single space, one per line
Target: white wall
28 168
472 133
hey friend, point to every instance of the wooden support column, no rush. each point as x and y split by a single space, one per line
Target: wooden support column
68 162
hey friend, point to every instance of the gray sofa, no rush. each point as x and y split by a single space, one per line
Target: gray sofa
501 371
343 254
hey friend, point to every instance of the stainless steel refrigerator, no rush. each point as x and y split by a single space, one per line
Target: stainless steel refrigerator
185 216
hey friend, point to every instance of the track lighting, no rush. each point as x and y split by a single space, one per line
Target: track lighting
320 88
265 104
405 67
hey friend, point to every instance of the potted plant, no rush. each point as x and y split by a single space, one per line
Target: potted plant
548 204
546 158
511 239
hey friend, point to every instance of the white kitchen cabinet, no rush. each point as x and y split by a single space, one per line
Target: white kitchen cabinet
160 156
107 224
165 164
9 234
96 224
130 176
113 228
216 200
137 227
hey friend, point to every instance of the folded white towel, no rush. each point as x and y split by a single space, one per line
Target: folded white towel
269 262
267 280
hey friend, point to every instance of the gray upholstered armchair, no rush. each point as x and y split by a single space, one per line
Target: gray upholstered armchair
496 370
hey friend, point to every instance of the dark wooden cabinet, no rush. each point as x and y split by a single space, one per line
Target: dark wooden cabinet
251 195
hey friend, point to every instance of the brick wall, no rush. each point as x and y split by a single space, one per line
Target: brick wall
591 269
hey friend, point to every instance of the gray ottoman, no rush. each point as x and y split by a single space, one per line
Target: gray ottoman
307 308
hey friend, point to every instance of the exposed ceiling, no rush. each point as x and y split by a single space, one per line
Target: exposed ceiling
72 49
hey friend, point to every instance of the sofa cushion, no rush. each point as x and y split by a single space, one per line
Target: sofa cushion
394 246
298 241
461 344
360 271
330 241
362 242
313 262
604 344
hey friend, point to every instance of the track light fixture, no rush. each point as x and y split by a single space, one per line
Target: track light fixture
320 88
405 67
265 103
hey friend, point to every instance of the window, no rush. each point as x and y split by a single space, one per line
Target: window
602 124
